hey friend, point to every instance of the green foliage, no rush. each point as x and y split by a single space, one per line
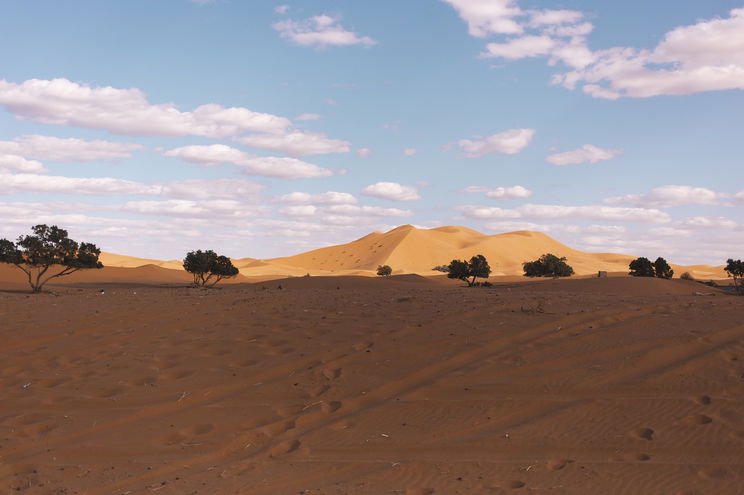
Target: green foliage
384 270
662 268
48 247
735 270
468 271
548 265
641 267
441 268
687 276
208 267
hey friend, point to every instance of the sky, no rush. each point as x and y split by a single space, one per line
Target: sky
268 128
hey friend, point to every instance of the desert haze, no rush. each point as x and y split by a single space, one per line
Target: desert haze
126 380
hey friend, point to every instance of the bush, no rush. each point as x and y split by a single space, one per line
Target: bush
441 268
662 268
548 265
735 270
36 254
687 276
208 267
384 270
641 267
468 271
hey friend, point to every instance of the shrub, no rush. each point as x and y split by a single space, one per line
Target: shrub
36 254
735 270
662 268
441 268
384 270
687 276
468 271
641 267
548 265
208 267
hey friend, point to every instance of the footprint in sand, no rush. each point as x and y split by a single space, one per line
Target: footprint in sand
278 428
512 484
194 430
319 390
643 433
704 400
330 407
697 419
332 374
713 473
285 448
558 464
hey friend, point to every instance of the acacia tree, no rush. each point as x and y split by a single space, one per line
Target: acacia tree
208 267
547 265
384 270
735 270
468 271
46 249
662 268
641 267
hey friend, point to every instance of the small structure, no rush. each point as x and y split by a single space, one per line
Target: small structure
601 274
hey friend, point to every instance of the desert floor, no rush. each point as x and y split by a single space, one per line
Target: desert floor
369 386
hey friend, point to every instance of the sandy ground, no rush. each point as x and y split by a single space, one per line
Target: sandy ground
369 386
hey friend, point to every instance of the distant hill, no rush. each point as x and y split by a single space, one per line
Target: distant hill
406 249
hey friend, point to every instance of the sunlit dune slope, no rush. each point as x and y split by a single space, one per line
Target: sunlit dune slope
410 250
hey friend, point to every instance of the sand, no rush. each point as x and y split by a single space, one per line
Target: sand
356 385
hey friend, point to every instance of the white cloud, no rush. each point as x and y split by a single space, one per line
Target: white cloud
485 17
707 56
552 17
296 143
509 142
517 48
308 116
500 192
409 151
67 150
364 152
376 211
327 198
739 198
127 111
702 222
557 212
107 186
392 191
243 189
219 208
71 185
321 30
669 196
266 166
299 211
281 9
19 163
586 154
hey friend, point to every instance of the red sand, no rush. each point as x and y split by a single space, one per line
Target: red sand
400 386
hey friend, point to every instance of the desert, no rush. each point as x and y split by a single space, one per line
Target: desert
131 381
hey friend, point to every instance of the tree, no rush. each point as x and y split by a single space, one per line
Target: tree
441 268
662 268
384 270
208 267
641 267
464 270
48 247
548 265
735 270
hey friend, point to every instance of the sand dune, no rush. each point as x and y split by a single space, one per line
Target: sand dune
406 249
364 386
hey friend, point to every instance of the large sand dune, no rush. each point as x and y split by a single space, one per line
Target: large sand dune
356 385
406 249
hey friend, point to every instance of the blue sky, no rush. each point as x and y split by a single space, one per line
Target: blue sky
267 128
